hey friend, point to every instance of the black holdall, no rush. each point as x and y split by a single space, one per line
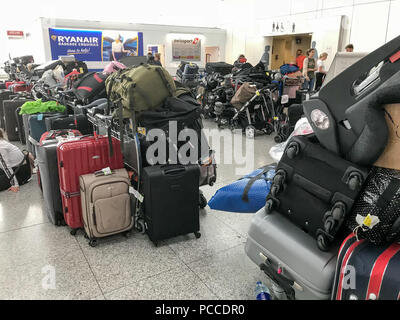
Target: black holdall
376 214
90 87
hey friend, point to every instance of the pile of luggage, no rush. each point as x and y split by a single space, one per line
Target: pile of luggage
342 179
93 144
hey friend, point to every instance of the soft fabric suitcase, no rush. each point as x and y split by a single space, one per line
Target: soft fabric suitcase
367 272
106 204
315 188
290 258
4 95
20 124
220 67
90 87
11 125
76 158
171 201
78 122
37 124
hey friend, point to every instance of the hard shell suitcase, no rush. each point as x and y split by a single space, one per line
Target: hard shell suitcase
290 258
367 272
37 124
20 124
171 201
76 158
78 122
11 125
4 95
315 189
106 204
46 156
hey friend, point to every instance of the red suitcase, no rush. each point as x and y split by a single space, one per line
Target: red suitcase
79 157
10 83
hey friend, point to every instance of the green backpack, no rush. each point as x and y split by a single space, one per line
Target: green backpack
140 88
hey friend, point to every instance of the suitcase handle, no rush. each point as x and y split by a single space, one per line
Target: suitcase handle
173 171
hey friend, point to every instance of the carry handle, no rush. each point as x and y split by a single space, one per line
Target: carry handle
173 171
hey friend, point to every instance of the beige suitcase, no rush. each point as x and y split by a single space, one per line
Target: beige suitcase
106 205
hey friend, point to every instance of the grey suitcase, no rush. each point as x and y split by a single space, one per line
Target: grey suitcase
48 166
29 146
291 257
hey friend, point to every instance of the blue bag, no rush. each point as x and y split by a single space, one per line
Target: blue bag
289 68
247 195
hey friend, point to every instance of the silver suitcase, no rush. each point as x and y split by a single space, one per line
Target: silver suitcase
295 267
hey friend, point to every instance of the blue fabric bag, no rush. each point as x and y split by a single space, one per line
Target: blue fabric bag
247 195
288 68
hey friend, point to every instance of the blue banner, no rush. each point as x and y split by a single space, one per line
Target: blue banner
84 45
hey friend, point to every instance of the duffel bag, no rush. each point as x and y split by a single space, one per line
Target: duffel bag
365 271
90 87
140 88
247 195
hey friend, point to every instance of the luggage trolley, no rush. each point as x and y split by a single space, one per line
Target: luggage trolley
130 142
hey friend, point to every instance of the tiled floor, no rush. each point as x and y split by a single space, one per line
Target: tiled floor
213 267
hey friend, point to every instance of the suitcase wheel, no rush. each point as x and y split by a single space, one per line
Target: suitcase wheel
293 150
329 225
322 242
140 227
73 232
93 243
269 206
278 139
127 234
198 235
202 201
338 212
355 181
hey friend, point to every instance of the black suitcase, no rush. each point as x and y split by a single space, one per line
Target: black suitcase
77 122
315 189
171 201
48 166
11 125
4 95
20 124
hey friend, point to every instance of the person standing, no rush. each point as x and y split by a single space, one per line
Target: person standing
157 59
349 48
300 59
321 71
309 68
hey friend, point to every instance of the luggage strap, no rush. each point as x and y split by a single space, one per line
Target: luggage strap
388 195
245 196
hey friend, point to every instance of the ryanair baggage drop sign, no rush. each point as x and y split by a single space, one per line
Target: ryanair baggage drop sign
84 45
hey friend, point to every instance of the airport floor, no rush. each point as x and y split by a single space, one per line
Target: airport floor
211 268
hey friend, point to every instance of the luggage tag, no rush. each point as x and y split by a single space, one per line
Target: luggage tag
136 194
40 117
142 131
366 223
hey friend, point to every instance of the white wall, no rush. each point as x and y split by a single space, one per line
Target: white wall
368 23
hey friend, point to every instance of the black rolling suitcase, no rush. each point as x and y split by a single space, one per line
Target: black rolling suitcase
315 189
4 95
171 201
20 124
77 122
11 124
